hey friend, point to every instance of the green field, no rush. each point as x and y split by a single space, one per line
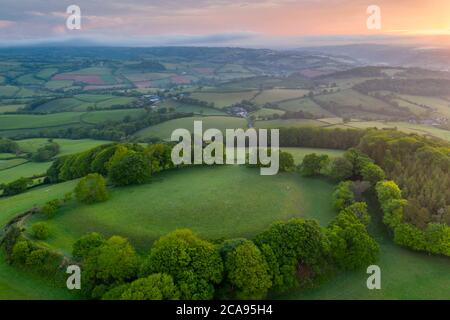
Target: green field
14 169
46 73
6 164
300 153
306 105
58 84
403 126
274 124
276 95
62 105
67 146
115 101
96 117
8 91
225 201
29 79
25 170
440 105
27 121
188 108
266 112
164 130
224 99
5 156
13 206
20 285
10 107
355 99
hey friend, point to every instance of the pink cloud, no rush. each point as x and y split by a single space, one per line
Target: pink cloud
6 23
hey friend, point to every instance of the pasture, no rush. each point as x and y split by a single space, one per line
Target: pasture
224 99
164 130
289 123
28 121
96 117
13 206
354 99
440 105
266 113
25 170
17 284
306 105
216 202
189 108
67 146
277 95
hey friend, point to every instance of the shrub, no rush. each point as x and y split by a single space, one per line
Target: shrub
194 264
83 246
359 210
91 189
16 187
295 251
314 164
112 263
438 238
351 245
36 258
129 168
286 161
40 231
341 169
343 195
154 287
247 272
372 173
409 236
50 208
46 153
20 252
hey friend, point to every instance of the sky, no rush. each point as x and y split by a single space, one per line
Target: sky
251 23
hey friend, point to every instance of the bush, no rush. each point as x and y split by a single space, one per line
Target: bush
343 195
286 162
295 251
438 238
36 259
112 263
50 208
341 169
46 153
154 287
372 173
247 272
91 189
409 236
314 164
16 187
20 252
359 210
129 168
194 264
40 231
83 246
351 245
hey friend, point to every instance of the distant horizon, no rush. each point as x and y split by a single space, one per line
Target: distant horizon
237 23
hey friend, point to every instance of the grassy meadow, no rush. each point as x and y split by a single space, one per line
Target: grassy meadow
216 202
164 130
